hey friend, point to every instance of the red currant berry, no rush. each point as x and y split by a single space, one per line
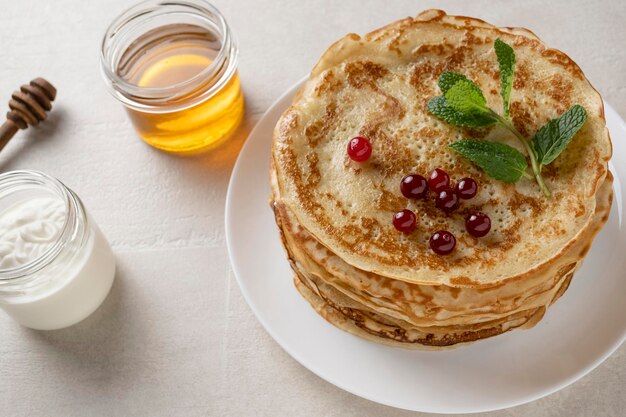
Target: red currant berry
447 200
359 149
442 242
466 188
478 224
414 186
405 221
439 180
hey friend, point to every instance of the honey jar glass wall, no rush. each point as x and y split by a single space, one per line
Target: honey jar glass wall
173 64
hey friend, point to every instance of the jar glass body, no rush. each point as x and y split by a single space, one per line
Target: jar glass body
72 276
173 65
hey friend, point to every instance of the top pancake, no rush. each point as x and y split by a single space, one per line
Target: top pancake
378 86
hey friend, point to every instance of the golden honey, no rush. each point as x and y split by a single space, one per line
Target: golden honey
194 129
178 81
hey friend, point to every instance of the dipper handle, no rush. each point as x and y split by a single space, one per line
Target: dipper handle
28 107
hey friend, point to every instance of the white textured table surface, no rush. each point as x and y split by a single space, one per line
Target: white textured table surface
175 337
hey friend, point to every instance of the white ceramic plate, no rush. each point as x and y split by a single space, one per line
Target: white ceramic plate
579 332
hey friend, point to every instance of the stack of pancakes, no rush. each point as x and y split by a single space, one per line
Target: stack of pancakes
335 215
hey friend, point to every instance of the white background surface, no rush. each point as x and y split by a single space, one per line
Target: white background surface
175 337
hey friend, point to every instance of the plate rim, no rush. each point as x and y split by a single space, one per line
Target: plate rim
302 361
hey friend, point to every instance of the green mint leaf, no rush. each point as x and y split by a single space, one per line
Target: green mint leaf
439 107
555 135
498 160
448 79
506 61
466 97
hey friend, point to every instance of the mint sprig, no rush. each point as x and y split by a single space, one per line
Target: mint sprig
500 161
554 137
463 104
506 62
440 107
466 97
449 78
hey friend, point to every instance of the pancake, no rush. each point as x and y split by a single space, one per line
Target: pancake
377 86
335 215
361 324
358 319
425 305
369 300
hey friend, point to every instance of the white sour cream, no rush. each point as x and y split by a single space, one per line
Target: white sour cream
28 229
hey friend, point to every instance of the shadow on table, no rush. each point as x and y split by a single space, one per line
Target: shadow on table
108 314
95 345
205 175
220 159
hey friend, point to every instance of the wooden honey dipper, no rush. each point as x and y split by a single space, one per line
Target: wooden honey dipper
29 106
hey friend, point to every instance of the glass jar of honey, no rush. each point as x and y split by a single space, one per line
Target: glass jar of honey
173 65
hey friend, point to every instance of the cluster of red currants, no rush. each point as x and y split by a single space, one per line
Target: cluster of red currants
447 199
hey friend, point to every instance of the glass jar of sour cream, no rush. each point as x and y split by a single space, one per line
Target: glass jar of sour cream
56 267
